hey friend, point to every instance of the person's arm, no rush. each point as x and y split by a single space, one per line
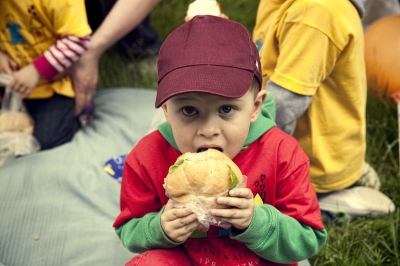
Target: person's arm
55 60
285 240
141 234
61 56
290 228
123 17
289 106
299 72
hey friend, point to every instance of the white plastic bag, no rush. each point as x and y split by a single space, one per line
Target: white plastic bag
203 212
16 126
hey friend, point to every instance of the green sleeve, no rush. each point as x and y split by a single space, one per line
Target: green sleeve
141 234
285 240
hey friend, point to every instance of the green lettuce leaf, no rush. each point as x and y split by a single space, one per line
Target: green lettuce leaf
172 168
234 179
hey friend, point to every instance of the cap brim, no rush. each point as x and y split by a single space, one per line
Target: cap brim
223 81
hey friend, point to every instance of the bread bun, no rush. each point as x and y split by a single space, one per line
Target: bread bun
202 176
203 7
16 122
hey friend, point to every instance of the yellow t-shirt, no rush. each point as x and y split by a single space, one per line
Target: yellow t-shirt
316 47
30 27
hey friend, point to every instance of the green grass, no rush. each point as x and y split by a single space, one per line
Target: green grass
365 241
168 15
118 71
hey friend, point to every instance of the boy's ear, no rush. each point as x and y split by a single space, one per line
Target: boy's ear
258 102
164 107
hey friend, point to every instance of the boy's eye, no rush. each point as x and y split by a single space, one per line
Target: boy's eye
227 110
189 110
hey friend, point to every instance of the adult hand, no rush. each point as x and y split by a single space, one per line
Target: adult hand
178 223
25 80
240 208
84 75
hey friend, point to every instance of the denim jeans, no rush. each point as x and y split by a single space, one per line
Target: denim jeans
54 120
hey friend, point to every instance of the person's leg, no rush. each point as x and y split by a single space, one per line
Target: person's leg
165 257
363 198
369 178
354 202
54 120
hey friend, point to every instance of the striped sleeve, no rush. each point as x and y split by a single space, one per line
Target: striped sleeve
61 55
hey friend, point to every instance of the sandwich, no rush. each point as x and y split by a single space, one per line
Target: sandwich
202 177
16 122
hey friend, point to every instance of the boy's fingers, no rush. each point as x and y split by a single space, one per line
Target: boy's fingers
7 71
188 227
188 219
21 89
26 93
13 65
177 213
241 193
169 205
16 87
181 231
228 213
240 203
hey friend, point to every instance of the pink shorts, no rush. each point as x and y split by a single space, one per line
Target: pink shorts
166 257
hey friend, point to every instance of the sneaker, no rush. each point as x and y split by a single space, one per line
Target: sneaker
304 263
356 201
369 178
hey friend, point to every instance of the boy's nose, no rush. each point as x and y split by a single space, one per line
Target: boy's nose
209 129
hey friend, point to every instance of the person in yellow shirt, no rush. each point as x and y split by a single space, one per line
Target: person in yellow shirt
39 41
312 56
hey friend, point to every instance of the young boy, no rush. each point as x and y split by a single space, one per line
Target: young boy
38 43
209 89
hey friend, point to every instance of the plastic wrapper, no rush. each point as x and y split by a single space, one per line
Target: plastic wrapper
197 205
16 126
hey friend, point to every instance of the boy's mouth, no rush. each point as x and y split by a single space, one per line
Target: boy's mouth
206 148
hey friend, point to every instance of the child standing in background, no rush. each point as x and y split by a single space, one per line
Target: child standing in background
39 41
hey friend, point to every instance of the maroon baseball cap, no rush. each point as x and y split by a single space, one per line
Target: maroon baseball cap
207 54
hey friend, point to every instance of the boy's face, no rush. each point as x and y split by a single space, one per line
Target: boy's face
201 121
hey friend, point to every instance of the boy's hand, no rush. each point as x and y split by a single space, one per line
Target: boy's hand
178 223
7 65
25 80
241 212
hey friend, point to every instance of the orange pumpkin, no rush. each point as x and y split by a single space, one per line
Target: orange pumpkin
382 58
